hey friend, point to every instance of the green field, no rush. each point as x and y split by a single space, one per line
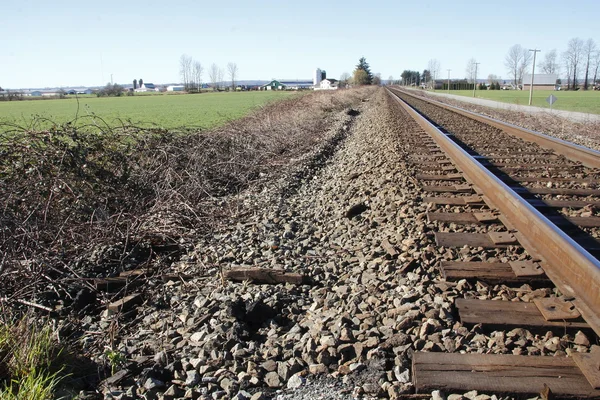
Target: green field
581 101
203 111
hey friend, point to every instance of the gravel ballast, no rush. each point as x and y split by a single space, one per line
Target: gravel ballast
350 218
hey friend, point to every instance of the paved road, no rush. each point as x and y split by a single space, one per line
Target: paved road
571 115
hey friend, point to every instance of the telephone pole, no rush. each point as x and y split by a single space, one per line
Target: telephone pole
535 51
475 79
449 81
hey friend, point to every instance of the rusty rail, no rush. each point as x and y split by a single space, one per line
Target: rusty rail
572 269
586 156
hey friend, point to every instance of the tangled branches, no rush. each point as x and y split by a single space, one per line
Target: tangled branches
69 190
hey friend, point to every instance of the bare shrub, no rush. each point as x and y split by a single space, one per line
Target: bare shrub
67 191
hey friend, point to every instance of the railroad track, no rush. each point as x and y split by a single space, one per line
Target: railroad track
509 187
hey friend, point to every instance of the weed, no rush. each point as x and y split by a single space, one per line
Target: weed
30 361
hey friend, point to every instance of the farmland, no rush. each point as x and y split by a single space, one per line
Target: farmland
580 101
203 111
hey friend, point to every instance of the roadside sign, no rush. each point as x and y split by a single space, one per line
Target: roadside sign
551 100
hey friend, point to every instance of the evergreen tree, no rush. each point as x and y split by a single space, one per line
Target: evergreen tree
364 66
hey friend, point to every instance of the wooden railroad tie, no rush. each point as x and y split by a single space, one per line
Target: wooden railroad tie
490 240
500 373
477 200
542 313
487 217
513 272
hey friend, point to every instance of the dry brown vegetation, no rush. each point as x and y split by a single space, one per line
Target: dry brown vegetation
75 204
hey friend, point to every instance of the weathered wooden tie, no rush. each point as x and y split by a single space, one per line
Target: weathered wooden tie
514 272
500 313
490 240
499 373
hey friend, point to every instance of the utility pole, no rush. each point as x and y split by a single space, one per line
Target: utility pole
535 51
449 81
111 81
475 79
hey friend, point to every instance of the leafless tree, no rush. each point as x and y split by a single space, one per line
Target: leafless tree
574 53
590 51
390 80
470 70
213 75
568 67
596 66
220 77
549 65
198 70
434 69
185 70
517 60
492 79
232 70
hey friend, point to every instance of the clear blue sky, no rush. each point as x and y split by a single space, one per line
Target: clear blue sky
62 43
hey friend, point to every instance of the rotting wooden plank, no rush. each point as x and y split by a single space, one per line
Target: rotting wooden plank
509 313
489 272
460 239
448 189
499 373
455 201
264 275
461 218
113 283
124 304
439 177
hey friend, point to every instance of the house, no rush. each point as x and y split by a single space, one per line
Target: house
540 81
327 84
174 88
273 85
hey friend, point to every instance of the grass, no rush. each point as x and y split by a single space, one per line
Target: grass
29 361
581 101
202 111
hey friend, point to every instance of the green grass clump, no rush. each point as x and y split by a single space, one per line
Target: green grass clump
580 101
30 361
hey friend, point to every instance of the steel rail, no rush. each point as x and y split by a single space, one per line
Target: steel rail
572 269
582 154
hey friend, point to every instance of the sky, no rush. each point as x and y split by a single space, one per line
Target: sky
82 43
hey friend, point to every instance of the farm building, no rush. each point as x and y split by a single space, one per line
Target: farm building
273 85
147 87
327 84
291 84
175 88
540 81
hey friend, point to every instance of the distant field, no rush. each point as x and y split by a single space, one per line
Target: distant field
581 101
203 111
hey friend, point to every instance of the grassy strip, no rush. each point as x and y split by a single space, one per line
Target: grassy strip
580 101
